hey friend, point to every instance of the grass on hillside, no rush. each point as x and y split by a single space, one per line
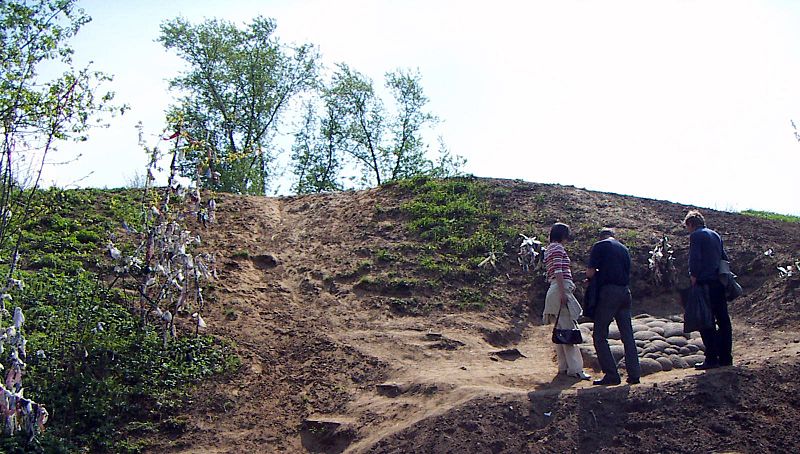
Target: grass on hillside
101 375
455 215
457 228
772 216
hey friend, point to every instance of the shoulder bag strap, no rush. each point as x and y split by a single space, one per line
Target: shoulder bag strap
555 324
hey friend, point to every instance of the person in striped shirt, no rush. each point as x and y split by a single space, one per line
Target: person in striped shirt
559 296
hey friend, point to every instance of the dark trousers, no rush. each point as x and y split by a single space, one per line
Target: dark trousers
614 303
719 339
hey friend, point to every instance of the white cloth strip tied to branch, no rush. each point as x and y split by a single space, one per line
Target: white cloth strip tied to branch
491 259
790 270
169 274
212 210
173 274
18 412
200 322
530 253
115 253
661 263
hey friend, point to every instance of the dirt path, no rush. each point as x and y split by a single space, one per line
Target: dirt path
429 382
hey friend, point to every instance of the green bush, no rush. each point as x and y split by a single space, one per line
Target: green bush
88 236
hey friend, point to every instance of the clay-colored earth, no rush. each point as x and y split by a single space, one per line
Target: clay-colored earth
330 364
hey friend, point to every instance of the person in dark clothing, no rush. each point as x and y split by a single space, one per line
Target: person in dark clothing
705 252
610 264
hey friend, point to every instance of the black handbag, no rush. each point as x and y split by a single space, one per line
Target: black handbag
590 298
697 314
566 336
732 288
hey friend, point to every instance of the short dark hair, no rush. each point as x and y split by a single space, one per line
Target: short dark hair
694 219
606 232
559 232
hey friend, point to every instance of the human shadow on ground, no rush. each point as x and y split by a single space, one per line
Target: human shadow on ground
633 415
545 398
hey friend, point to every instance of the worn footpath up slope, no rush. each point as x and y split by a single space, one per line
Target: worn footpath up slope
349 345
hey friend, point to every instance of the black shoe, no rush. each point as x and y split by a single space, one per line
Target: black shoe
705 365
632 381
607 381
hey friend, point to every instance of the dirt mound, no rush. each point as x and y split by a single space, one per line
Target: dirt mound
748 408
351 342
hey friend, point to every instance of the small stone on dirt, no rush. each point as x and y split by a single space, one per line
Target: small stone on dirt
510 354
391 389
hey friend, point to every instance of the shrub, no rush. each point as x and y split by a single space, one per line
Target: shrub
89 360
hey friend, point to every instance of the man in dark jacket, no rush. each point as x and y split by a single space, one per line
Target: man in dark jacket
705 252
610 265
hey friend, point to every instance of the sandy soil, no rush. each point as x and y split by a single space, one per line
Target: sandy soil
333 366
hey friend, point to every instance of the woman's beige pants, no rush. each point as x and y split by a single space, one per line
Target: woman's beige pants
569 356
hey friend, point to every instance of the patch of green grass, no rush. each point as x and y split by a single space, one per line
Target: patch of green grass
772 216
88 237
470 299
367 281
441 264
230 314
361 268
413 306
386 256
391 284
455 215
364 266
631 238
241 255
588 231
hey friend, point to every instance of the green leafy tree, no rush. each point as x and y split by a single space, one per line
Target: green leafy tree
35 114
363 116
446 164
406 152
239 83
316 151
385 144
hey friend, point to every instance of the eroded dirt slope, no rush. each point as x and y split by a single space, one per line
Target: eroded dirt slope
333 362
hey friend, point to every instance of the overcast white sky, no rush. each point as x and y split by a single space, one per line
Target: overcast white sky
687 101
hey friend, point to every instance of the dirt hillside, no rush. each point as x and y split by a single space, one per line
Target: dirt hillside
349 345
